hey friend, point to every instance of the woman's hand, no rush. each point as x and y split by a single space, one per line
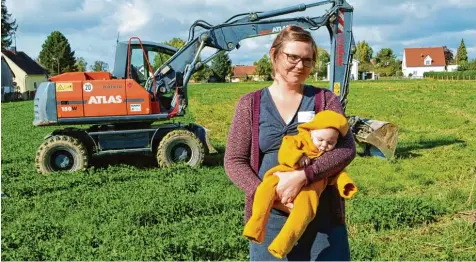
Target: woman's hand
290 184
304 161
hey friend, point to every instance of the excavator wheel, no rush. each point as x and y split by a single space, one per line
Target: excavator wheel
180 146
61 153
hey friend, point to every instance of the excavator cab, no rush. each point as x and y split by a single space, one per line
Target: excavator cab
143 55
138 60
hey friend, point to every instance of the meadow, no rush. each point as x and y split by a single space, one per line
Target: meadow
419 205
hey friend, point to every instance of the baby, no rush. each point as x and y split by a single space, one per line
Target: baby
324 140
313 139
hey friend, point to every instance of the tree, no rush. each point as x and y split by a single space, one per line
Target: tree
448 55
467 65
363 54
221 66
160 59
384 57
56 55
81 64
99 66
461 55
397 67
175 42
264 67
8 27
202 74
323 58
386 63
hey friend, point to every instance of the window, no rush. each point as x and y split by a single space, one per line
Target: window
137 65
427 60
415 73
157 59
34 85
140 70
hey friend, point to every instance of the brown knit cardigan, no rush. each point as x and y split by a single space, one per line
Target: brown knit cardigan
242 154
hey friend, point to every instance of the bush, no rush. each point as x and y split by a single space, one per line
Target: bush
455 75
394 212
467 65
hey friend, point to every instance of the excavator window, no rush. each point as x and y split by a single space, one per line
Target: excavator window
159 59
138 66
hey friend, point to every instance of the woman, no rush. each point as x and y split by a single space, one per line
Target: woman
261 120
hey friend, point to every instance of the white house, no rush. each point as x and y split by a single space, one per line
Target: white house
28 73
354 70
417 61
7 79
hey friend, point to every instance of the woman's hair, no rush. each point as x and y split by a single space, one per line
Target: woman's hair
290 34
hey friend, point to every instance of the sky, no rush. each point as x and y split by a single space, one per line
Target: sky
93 26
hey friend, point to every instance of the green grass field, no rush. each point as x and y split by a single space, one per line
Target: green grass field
418 206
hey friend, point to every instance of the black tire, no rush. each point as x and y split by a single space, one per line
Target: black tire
180 146
61 153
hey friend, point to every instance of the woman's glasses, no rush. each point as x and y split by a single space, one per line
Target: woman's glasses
294 59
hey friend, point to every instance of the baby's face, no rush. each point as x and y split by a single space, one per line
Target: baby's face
325 139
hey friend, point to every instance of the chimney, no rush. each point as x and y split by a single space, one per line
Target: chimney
13 49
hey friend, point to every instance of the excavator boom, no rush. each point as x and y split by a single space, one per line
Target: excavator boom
380 138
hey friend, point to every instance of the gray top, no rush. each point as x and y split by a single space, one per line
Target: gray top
272 127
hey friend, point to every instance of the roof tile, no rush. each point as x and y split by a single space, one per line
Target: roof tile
415 57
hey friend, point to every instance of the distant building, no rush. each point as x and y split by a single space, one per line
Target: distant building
452 68
8 86
241 73
28 73
354 70
417 61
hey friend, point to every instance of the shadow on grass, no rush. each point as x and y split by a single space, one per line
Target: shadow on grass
138 160
405 152
216 159
148 161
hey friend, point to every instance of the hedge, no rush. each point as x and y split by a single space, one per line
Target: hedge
470 74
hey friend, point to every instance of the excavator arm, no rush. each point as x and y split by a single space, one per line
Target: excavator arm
173 75
380 138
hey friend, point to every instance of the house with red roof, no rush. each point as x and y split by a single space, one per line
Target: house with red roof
241 73
417 61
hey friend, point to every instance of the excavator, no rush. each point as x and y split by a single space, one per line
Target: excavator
121 108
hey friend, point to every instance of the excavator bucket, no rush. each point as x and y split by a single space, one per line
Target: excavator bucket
379 138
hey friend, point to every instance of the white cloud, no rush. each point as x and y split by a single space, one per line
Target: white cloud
463 3
92 25
133 16
95 7
442 37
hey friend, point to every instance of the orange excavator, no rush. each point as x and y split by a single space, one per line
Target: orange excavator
121 108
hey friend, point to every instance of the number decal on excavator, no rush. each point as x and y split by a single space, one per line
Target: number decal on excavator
68 108
88 87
